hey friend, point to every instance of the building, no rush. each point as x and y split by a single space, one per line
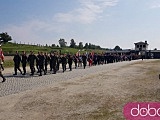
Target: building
141 46
141 49
153 54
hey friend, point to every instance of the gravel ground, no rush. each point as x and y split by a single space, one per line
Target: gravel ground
19 83
96 93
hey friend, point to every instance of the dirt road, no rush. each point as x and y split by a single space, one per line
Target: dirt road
98 96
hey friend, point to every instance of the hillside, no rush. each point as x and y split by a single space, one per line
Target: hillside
10 48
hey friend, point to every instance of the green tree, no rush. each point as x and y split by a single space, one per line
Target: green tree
62 43
73 43
53 45
117 48
155 48
4 38
90 46
80 45
86 46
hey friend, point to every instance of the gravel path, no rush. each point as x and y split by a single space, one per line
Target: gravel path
16 84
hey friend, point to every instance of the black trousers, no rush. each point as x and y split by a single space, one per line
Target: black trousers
32 68
70 67
51 65
17 67
75 64
84 64
37 66
24 67
41 68
45 67
64 67
54 67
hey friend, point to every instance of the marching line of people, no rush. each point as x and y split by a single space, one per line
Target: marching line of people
42 60
53 60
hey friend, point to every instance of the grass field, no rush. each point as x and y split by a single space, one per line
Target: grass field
10 48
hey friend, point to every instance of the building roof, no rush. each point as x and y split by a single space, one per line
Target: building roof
145 43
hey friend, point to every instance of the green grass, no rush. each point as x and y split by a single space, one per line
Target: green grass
10 48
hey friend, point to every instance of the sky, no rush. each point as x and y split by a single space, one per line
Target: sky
101 22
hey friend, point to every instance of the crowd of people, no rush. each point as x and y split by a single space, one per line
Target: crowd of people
44 62
53 60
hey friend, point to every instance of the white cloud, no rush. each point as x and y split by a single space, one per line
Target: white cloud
88 11
36 31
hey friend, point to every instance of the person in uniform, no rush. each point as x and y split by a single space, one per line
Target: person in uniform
47 59
59 61
102 58
1 62
105 58
95 59
41 64
54 61
75 59
51 63
37 62
17 60
84 59
64 62
24 62
70 60
31 59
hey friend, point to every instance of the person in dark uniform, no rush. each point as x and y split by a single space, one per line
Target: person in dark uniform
24 62
105 58
70 61
31 60
102 58
59 61
51 63
64 62
37 62
112 58
98 59
84 59
75 59
17 60
54 61
109 58
47 59
95 59
41 64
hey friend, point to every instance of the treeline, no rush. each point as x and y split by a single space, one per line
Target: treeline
4 38
80 45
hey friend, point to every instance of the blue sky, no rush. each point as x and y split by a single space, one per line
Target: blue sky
102 22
